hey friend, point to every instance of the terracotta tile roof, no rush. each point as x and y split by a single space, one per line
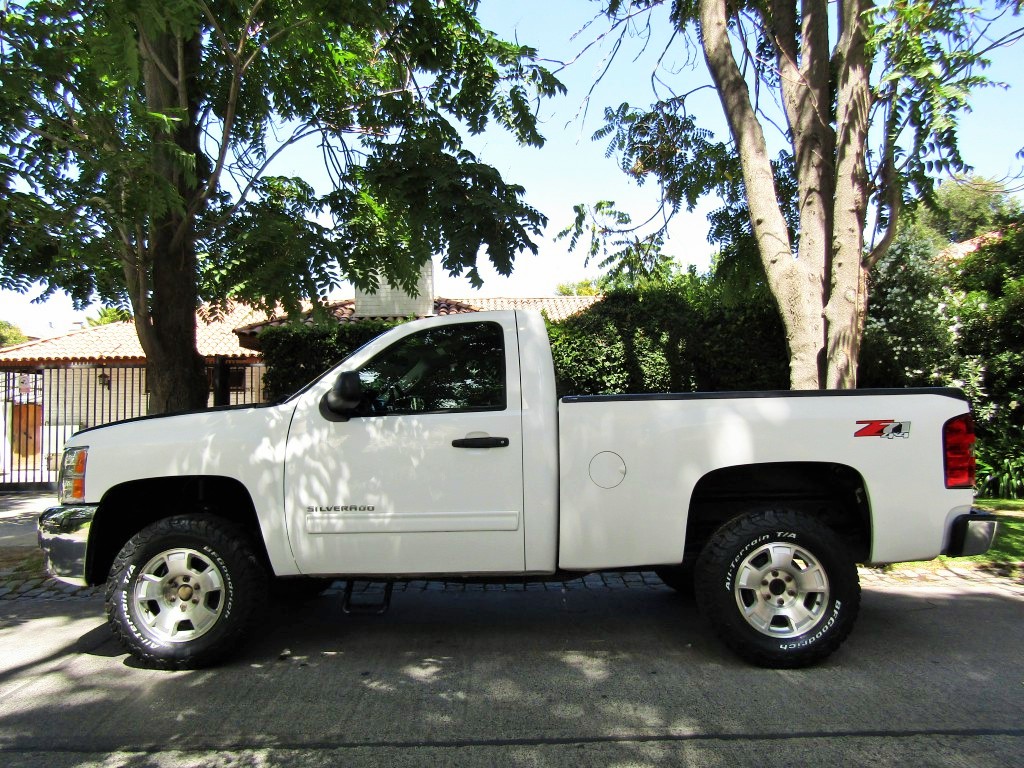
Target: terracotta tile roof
957 251
341 311
556 308
118 342
233 335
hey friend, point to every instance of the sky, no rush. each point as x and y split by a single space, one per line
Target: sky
572 169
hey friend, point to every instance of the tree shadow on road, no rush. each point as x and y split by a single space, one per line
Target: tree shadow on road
630 676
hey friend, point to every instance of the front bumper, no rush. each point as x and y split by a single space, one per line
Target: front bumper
64 539
972 534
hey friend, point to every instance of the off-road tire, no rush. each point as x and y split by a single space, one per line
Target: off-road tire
779 588
183 591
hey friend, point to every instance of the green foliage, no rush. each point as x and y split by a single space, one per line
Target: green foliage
679 337
629 260
103 146
907 340
664 142
966 207
988 308
639 265
10 334
930 56
297 354
579 288
109 315
1001 466
738 268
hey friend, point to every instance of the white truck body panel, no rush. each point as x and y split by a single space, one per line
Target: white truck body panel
667 444
245 444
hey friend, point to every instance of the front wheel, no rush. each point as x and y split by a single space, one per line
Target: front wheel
182 592
779 588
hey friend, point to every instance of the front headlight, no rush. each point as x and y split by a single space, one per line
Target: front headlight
71 484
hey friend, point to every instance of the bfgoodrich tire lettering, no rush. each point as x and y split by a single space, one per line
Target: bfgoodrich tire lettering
182 592
779 588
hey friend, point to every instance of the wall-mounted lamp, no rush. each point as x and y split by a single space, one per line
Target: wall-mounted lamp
103 379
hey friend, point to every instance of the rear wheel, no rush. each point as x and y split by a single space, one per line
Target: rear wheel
779 588
182 592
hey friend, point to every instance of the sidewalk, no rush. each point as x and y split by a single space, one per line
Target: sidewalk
18 515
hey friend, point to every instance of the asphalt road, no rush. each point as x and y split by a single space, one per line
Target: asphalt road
930 677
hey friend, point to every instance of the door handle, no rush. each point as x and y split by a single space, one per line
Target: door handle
481 442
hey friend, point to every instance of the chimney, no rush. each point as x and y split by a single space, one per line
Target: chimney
394 302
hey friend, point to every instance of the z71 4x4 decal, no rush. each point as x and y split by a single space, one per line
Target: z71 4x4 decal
887 428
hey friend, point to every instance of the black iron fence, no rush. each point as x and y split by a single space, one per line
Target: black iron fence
40 408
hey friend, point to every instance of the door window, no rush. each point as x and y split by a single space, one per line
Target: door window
451 368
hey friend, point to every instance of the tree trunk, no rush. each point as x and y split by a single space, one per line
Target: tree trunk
846 310
822 291
803 61
796 284
166 295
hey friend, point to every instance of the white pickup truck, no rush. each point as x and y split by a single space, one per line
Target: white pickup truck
441 449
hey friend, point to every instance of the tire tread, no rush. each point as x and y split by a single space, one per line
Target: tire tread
233 543
719 552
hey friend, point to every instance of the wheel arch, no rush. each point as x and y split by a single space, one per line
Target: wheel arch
127 508
834 493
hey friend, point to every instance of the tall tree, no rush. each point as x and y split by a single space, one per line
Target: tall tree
11 334
866 97
968 206
138 138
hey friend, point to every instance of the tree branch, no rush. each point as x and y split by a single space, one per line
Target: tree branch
147 50
892 198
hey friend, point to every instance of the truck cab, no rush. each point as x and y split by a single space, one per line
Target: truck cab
442 460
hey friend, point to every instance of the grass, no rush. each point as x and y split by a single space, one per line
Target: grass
21 562
1001 505
1006 555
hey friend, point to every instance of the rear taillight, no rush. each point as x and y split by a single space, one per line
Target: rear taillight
958 451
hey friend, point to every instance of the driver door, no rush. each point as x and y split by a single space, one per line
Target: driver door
426 475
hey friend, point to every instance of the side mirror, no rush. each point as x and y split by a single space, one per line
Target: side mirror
345 396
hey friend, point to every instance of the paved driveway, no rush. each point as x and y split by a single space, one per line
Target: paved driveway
623 675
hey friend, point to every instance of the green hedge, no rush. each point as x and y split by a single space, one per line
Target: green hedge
639 340
670 340
295 355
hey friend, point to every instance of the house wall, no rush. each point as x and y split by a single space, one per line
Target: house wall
389 301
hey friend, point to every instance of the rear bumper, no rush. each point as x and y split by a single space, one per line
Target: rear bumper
64 539
972 534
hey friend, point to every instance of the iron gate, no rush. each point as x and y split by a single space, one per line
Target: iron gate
41 408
